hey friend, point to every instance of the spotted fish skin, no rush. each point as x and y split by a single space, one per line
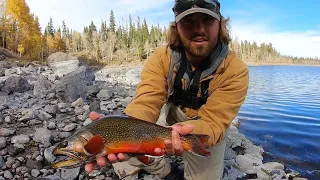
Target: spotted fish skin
116 130
146 136
121 134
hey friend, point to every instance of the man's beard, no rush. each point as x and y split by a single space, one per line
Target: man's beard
198 51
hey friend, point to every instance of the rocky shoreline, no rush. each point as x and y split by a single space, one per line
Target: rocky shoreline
43 104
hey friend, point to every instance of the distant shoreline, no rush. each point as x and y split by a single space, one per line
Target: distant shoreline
277 64
140 64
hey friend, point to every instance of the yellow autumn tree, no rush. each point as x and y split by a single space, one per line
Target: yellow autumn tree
56 43
33 43
24 29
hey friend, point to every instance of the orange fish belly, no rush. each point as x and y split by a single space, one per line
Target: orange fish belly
144 148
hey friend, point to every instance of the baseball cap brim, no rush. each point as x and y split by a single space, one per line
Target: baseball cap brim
195 10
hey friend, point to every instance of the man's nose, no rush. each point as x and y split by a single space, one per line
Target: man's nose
199 26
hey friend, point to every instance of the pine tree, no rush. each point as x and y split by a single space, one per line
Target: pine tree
50 28
119 32
125 35
85 30
64 30
91 30
92 27
112 24
45 32
21 33
103 31
138 23
145 31
131 30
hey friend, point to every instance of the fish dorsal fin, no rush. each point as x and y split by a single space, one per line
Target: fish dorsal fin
94 145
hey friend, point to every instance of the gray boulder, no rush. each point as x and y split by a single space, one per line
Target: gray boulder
2 72
133 76
62 63
16 84
42 135
2 57
59 57
74 85
43 86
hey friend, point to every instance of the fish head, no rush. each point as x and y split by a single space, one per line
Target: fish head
77 150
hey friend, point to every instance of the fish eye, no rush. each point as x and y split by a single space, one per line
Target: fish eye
64 144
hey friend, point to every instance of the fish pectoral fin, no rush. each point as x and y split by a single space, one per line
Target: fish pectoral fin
144 159
95 145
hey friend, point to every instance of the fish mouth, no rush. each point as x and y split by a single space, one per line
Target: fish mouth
67 158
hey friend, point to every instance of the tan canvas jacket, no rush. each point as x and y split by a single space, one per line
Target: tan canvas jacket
227 92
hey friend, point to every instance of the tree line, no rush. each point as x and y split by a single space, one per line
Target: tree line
107 43
267 54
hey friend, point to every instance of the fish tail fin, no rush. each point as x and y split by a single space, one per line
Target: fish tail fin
196 144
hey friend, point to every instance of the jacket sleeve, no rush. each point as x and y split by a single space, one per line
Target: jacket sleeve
222 105
152 88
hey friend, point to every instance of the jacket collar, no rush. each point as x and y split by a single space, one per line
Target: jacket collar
216 57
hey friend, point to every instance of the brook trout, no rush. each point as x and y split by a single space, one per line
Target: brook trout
119 134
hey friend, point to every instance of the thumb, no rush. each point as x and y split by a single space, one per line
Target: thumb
94 115
183 129
186 129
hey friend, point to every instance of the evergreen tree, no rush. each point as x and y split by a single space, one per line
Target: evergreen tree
85 30
112 22
103 30
92 27
145 31
50 28
119 32
131 30
64 30
21 33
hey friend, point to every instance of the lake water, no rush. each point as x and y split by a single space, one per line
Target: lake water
282 114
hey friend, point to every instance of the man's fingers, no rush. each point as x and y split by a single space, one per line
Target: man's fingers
112 158
176 143
102 161
94 115
183 130
123 157
158 150
89 167
168 147
176 127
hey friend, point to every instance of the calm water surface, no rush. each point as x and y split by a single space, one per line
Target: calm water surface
282 114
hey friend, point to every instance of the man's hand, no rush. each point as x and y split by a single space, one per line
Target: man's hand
174 146
102 161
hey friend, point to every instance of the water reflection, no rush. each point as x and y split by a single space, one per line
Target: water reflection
282 114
